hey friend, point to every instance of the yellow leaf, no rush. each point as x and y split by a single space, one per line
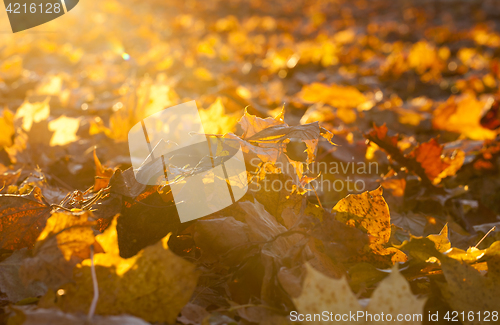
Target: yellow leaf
441 241
462 115
64 129
216 121
336 96
455 163
369 211
31 113
320 293
7 127
392 297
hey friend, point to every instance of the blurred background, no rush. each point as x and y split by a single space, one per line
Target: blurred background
426 68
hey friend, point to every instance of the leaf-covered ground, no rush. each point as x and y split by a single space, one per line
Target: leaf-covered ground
370 135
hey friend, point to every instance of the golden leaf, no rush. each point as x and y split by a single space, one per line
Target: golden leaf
7 127
31 113
337 96
462 115
64 129
215 120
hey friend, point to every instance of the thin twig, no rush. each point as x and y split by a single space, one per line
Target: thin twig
492 229
317 197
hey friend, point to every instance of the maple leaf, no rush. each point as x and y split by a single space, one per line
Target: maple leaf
441 241
64 242
22 218
392 297
154 284
369 211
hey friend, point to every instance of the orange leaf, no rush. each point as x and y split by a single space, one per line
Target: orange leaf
102 173
428 154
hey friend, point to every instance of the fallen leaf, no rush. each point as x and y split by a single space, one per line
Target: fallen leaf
22 219
462 115
154 284
10 281
369 211
218 236
64 242
334 95
103 174
64 129
252 124
320 293
215 120
7 127
30 113
392 297
9 177
466 290
441 241
428 155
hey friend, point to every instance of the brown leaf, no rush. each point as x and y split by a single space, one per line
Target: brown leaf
10 281
218 236
22 219
64 242
467 290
